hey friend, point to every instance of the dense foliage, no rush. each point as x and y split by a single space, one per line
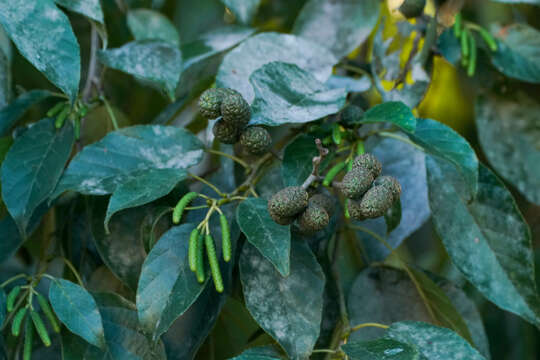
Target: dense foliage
269 179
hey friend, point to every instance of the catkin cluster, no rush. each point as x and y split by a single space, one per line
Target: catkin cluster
234 114
369 194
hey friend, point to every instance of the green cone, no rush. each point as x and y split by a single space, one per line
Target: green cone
256 140
288 202
356 182
313 219
225 132
369 163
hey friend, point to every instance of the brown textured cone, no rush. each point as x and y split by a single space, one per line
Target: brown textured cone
288 202
353 207
356 182
225 132
376 201
282 220
369 163
392 184
325 201
313 219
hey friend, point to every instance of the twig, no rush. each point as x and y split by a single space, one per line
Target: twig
93 65
407 67
232 157
316 164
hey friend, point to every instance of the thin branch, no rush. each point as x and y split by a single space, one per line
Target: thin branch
93 65
232 157
403 74
316 164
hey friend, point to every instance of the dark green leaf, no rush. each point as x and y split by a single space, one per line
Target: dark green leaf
125 154
449 46
122 249
157 63
348 83
202 57
243 10
340 25
289 309
152 25
381 349
33 167
440 140
284 93
469 313
259 353
405 163
518 53
509 135
2 306
486 239
271 239
5 69
43 35
77 309
297 160
433 342
144 188
89 8
10 114
240 63
393 217
394 112
122 334
167 287
386 295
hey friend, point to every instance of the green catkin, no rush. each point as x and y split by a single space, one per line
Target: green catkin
10 302
77 128
28 340
182 203
331 174
346 207
40 328
225 238
488 38
350 164
192 252
471 67
457 25
360 150
17 321
464 47
59 122
213 261
44 305
336 134
200 258
55 109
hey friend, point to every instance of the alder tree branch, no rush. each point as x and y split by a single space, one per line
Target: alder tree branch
316 164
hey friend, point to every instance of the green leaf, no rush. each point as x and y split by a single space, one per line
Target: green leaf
393 217
122 334
10 114
157 63
381 349
243 10
440 140
518 52
259 353
5 69
405 163
340 25
122 249
284 93
43 35
33 167
386 295
240 63
271 239
449 46
2 306
535 2
486 238
509 135
167 287
147 24
124 154
433 342
143 188
289 309
297 160
89 8
77 309
350 84
202 57
394 112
